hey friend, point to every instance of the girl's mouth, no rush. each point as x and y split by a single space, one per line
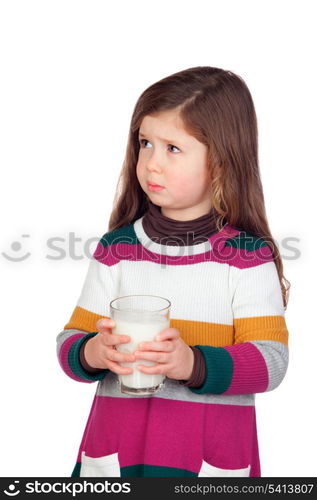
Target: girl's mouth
155 187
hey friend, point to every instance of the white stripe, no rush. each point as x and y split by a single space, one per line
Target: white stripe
256 291
107 466
208 470
207 291
198 292
99 288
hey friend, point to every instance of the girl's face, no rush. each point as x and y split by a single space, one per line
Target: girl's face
172 158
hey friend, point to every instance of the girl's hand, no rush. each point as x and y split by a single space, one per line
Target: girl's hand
100 350
173 356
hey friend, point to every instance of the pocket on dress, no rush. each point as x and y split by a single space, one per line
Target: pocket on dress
208 470
107 466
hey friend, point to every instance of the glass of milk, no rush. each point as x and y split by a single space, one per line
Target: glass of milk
142 317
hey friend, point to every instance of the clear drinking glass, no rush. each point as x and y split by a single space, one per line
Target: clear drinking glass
142 317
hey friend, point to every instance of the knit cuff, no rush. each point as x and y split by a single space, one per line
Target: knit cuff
74 361
198 375
219 366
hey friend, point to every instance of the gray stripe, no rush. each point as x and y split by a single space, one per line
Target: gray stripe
276 358
275 354
109 386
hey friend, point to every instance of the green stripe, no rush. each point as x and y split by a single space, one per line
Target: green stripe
74 363
142 470
246 241
124 234
76 470
219 366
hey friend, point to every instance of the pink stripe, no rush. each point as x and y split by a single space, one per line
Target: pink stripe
240 258
250 373
171 433
63 356
237 257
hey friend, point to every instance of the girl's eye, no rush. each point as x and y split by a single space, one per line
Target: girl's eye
174 146
142 141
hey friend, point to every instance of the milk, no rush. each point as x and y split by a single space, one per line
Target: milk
139 330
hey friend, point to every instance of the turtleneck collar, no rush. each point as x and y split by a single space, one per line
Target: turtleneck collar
164 230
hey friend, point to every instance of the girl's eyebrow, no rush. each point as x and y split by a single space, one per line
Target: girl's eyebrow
164 140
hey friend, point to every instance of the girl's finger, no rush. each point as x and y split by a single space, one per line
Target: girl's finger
158 357
114 339
105 324
151 370
120 370
168 334
120 357
156 346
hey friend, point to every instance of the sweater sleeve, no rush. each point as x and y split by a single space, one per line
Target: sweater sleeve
92 305
258 359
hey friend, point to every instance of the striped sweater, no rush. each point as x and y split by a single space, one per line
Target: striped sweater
226 301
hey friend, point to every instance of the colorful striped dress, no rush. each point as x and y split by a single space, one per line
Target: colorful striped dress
227 301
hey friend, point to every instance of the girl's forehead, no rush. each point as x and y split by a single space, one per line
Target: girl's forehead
170 117
164 125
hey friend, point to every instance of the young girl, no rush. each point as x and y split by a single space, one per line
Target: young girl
201 240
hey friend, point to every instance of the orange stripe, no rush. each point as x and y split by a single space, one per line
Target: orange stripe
243 330
261 328
192 332
82 319
204 333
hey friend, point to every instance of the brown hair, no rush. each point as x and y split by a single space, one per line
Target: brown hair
216 107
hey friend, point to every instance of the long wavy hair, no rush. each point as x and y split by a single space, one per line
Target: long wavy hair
216 107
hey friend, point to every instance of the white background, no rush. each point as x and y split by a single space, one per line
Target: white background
71 72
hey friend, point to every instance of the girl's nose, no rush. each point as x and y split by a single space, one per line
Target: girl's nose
154 164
